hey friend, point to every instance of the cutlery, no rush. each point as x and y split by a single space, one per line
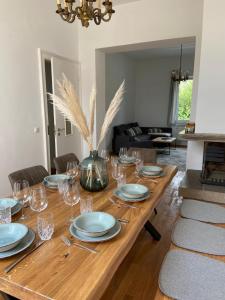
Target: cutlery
125 221
121 204
148 179
13 264
70 243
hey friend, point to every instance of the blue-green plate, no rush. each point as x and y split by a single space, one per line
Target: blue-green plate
121 196
108 236
8 202
23 245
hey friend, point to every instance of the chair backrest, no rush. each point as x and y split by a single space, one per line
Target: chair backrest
61 162
33 175
148 155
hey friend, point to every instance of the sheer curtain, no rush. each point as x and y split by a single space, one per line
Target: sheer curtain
173 103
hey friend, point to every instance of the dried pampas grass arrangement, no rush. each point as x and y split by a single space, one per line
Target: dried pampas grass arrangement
69 105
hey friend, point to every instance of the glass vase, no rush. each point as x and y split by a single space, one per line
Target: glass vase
94 173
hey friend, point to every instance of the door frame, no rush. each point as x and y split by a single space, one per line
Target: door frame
42 56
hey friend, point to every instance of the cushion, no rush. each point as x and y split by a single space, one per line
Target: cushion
154 130
166 134
131 132
137 130
142 138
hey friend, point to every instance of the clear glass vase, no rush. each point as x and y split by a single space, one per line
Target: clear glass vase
94 173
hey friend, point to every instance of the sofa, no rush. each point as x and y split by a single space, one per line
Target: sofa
132 135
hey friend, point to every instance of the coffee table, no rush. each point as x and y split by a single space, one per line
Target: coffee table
165 140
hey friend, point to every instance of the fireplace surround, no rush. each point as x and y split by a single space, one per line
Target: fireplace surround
213 167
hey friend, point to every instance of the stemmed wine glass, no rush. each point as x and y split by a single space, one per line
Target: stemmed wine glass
118 174
72 169
22 193
114 160
105 155
123 153
38 201
71 196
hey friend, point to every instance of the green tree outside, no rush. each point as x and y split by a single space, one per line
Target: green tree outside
185 98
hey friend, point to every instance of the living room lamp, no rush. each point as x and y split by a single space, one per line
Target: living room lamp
85 11
179 75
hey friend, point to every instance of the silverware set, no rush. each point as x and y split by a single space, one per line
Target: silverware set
70 243
120 204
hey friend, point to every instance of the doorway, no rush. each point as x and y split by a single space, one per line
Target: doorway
60 137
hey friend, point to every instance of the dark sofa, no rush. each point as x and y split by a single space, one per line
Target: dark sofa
132 135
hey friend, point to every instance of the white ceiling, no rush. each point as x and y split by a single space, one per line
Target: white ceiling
161 52
119 2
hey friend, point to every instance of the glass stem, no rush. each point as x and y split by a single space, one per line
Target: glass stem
71 213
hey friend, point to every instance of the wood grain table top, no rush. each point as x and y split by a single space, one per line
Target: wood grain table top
55 271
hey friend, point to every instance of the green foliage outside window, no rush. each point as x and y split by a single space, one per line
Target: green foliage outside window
185 98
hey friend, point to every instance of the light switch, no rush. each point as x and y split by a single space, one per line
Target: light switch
36 129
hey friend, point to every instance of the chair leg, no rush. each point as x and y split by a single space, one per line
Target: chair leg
152 230
155 211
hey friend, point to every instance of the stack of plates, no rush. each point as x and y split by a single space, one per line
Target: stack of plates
132 192
151 171
14 204
95 227
53 180
128 160
14 238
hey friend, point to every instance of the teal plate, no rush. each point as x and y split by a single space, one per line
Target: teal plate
8 202
162 174
24 244
16 209
106 237
121 196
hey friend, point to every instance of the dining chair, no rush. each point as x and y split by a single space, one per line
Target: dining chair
33 175
61 162
148 155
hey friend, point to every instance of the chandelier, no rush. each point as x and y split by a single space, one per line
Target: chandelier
85 11
179 75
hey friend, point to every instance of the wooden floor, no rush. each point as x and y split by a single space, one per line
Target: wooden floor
137 277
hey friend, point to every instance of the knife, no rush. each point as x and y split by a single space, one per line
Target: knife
13 264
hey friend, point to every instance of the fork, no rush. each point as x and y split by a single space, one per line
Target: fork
69 243
121 204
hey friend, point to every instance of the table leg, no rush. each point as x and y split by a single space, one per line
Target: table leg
153 232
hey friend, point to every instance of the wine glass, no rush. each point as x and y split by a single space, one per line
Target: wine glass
45 226
123 153
72 169
22 193
117 174
105 155
114 160
139 165
38 201
71 196
137 155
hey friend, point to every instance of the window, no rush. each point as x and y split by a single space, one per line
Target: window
184 100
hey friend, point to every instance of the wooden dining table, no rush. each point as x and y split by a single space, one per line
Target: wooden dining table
56 271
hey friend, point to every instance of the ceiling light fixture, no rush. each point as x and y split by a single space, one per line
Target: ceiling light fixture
179 75
85 11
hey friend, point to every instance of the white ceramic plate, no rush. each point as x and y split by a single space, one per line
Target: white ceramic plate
108 236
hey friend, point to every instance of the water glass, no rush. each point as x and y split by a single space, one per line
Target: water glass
123 153
86 204
22 193
38 201
72 169
137 155
45 226
62 186
121 180
5 215
105 155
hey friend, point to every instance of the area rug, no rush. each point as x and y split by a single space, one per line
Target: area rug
177 157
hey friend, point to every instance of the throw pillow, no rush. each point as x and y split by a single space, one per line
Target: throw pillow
131 132
137 130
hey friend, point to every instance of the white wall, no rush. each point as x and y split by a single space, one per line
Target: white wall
25 27
210 105
119 67
153 79
159 20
